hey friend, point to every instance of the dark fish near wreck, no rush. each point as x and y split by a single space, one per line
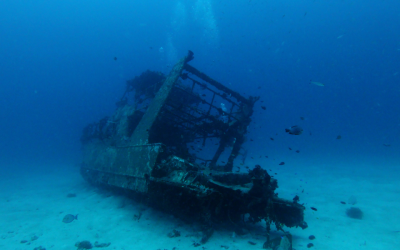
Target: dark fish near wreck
69 218
294 130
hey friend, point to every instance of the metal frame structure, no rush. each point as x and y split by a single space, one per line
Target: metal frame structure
167 146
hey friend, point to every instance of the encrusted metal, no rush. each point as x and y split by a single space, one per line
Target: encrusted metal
175 143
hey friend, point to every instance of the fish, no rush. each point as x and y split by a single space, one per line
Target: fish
282 163
317 83
69 218
301 118
294 130
297 151
338 137
344 203
313 208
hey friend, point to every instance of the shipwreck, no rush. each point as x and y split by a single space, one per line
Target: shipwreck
173 140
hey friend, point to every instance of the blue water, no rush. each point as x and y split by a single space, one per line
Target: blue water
58 72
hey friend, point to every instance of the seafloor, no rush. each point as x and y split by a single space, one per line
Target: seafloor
34 201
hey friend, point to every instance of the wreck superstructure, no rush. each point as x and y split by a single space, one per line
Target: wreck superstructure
176 145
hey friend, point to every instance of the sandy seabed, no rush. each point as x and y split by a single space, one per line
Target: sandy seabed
34 203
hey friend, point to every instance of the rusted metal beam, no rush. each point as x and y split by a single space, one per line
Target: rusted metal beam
141 134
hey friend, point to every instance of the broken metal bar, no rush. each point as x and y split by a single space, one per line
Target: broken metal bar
141 133
216 84
206 87
184 112
193 121
184 120
210 136
211 104
194 128
215 107
230 114
201 159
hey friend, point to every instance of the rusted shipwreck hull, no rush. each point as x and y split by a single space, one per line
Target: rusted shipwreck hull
175 144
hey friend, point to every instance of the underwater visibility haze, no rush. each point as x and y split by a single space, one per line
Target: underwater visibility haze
326 126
